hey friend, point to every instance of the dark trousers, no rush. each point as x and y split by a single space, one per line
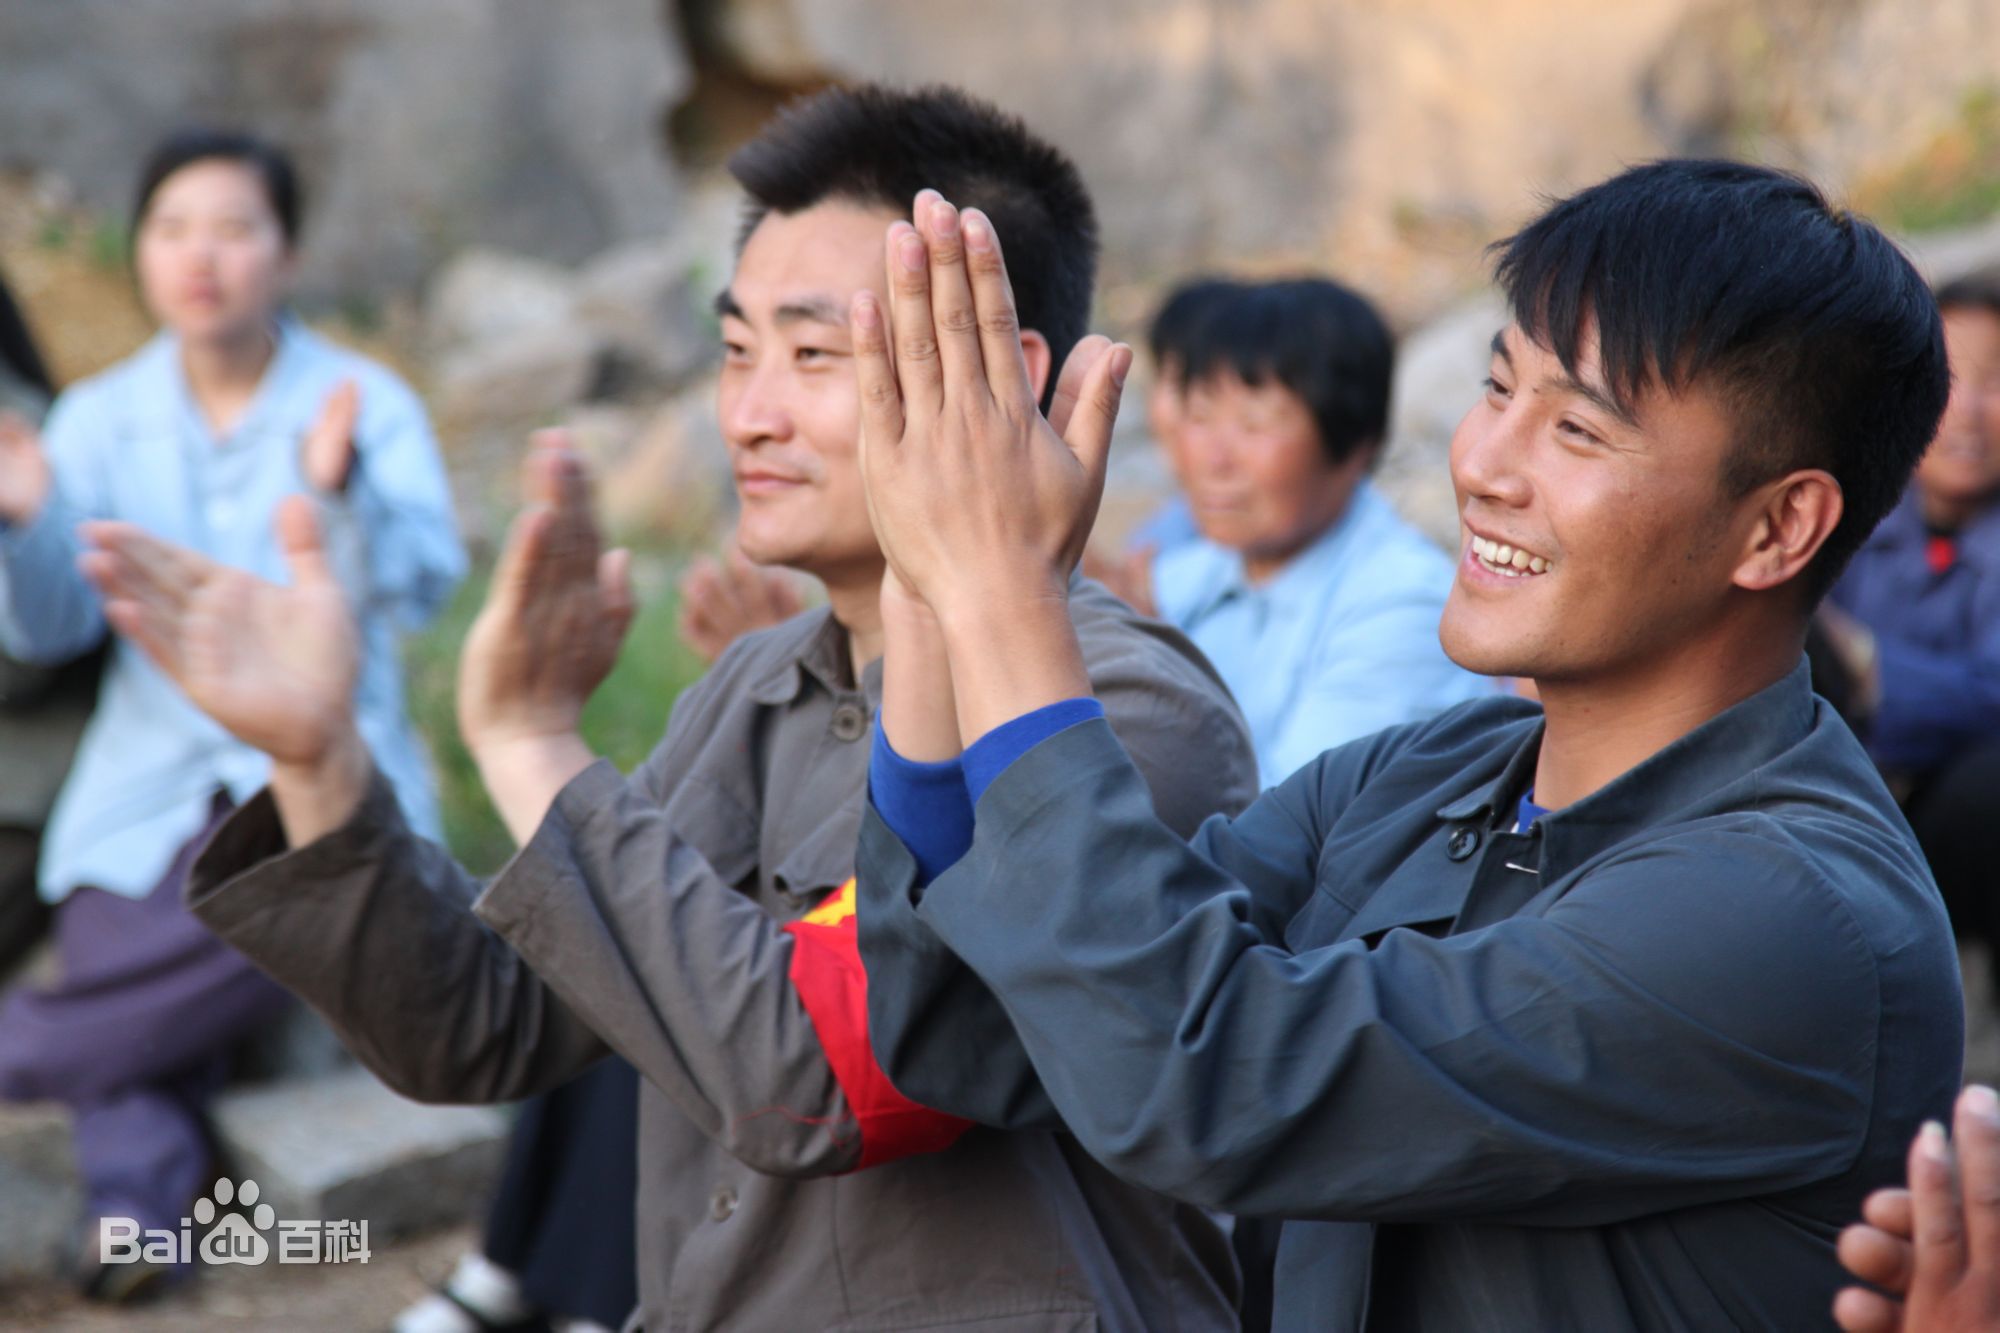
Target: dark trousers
135 1037
563 1219
1952 811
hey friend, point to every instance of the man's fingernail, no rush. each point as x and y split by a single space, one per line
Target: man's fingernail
978 232
865 313
1931 1142
945 218
1983 1102
1121 365
910 252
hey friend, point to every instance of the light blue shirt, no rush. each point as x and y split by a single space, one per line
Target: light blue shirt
130 444
1341 642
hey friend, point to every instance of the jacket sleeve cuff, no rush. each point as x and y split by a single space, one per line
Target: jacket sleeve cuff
924 805
990 755
248 865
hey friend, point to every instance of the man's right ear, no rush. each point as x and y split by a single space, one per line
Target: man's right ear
1797 514
1041 362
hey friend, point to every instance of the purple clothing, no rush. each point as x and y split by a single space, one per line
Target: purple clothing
1938 635
134 1037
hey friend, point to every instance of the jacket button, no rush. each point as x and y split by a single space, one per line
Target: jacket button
722 1203
1464 842
849 723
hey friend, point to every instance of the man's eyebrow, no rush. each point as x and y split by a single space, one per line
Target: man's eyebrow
809 309
812 310
1597 398
1567 383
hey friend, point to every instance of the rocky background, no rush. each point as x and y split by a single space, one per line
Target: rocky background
522 204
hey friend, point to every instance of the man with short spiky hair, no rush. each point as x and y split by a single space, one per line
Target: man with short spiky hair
1603 1015
698 917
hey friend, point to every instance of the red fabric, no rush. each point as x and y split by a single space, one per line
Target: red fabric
827 973
1939 552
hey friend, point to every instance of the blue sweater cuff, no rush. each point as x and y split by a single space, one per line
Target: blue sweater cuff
924 805
989 756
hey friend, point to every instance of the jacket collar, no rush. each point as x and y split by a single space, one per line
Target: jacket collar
1678 780
818 652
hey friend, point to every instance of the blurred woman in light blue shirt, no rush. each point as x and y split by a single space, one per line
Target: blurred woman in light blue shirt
1315 600
195 437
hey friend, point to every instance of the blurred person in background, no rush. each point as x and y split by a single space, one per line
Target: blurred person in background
1173 336
1915 624
198 435
1315 600
42 709
1129 573
558 1250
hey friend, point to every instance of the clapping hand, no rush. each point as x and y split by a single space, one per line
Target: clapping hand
978 500
545 640
25 476
326 456
274 665
1936 1244
722 600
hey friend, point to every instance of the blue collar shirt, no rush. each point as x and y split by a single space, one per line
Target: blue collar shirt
130 444
1341 642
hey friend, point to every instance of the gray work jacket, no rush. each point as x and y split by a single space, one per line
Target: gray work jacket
1630 1069
645 916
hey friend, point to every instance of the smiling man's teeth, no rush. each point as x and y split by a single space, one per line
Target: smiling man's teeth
1504 559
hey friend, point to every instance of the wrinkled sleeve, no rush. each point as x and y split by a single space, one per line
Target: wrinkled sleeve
936 1028
372 926
49 613
754 1029
1508 1074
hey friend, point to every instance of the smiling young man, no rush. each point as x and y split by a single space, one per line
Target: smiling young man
1604 1015
693 917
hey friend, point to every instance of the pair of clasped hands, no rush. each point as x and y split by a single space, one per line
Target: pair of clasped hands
981 504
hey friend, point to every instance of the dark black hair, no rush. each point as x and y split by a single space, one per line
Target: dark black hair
269 163
879 146
1973 291
17 347
1320 340
1175 322
1817 333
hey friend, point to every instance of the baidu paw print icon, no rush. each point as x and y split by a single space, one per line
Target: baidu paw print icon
234 1240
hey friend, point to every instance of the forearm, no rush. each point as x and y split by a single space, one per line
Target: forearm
1010 657
523 775
919 714
315 798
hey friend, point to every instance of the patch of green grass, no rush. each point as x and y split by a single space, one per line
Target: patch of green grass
110 247
624 720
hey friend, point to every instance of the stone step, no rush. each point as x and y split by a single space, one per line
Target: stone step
331 1147
342 1146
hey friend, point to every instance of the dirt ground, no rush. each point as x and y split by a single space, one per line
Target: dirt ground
327 1298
